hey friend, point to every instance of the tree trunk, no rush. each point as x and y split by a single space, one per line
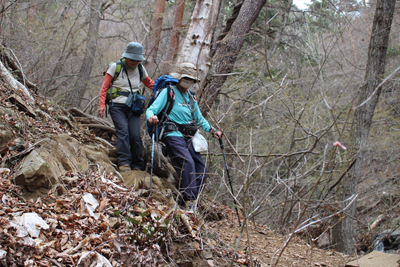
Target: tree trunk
278 36
81 83
368 98
154 38
197 44
227 52
176 32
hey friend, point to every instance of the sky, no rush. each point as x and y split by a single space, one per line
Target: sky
301 3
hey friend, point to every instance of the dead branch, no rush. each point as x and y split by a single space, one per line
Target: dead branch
65 119
78 113
98 126
12 63
381 218
104 142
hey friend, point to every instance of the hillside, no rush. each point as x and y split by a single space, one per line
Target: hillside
88 216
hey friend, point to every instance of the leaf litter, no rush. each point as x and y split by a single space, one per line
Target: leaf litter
99 221
74 228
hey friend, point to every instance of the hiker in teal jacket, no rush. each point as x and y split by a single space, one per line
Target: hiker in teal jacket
188 163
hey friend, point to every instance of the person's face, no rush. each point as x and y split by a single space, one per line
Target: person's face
131 63
186 82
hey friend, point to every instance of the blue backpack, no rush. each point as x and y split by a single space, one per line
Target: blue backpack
163 82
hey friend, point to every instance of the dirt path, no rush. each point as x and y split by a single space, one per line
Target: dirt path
265 244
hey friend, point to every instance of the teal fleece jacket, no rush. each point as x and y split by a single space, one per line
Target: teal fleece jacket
180 112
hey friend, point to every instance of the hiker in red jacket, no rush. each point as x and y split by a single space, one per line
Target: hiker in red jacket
123 89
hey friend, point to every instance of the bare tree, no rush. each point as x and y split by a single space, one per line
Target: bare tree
155 34
197 44
228 50
176 32
368 98
95 15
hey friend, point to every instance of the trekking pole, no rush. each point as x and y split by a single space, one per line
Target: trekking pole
159 149
152 158
229 179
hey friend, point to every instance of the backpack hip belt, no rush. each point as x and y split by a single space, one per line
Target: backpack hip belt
123 93
168 127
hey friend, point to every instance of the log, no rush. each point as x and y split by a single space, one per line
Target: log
16 85
381 218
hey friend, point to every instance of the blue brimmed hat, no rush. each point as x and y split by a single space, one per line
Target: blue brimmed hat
134 51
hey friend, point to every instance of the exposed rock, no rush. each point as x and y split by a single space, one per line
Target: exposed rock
376 259
22 105
56 155
6 136
162 190
64 153
35 173
165 169
97 153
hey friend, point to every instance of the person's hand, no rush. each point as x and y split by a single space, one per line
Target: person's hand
153 120
102 111
217 135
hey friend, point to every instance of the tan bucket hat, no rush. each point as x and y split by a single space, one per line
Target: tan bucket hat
185 70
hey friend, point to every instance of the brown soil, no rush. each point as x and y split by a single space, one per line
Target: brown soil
266 245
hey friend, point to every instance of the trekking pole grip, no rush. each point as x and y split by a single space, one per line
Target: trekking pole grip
221 145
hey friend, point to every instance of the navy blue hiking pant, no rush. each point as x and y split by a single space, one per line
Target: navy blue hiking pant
188 164
129 142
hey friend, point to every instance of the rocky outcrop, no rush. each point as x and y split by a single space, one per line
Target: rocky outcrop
376 259
57 154
162 190
6 136
35 173
161 164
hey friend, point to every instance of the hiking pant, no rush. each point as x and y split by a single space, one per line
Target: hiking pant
129 142
188 164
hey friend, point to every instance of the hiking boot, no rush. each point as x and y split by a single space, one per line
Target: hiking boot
124 168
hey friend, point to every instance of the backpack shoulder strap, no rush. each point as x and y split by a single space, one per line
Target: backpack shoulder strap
117 70
192 99
140 69
116 74
170 101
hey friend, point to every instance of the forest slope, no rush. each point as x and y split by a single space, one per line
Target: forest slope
118 224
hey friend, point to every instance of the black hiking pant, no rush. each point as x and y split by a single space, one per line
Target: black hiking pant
129 142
